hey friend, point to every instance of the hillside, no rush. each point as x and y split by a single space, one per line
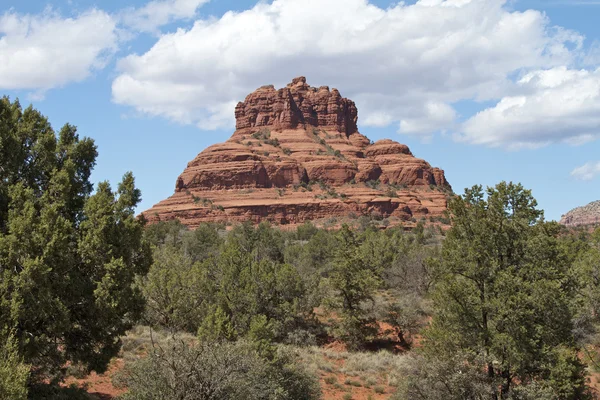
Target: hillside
583 216
297 155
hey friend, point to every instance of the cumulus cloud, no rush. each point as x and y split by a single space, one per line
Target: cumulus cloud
404 65
158 13
40 52
557 105
587 171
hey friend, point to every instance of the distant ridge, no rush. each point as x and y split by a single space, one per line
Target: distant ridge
583 216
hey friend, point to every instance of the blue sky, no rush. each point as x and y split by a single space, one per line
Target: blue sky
488 90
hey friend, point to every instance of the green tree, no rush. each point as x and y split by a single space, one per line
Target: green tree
244 288
354 280
505 292
67 258
13 373
203 242
174 291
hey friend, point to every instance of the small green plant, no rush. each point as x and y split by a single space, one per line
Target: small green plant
287 151
330 380
273 142
373 184
347 396
391 192
379 389
263 134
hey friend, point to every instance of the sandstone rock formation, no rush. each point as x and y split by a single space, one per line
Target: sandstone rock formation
297 155
588 215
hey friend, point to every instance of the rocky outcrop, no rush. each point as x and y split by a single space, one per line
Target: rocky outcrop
297 155
588 215
298 105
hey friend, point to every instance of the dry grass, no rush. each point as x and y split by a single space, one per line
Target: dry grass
141 339
363 375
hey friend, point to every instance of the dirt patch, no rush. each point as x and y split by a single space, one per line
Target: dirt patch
99 386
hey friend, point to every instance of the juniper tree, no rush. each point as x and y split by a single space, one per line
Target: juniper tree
68 256
506 294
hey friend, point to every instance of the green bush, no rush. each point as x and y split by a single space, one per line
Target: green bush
215 371
13 373
443 378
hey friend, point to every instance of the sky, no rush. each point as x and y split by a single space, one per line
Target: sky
488 90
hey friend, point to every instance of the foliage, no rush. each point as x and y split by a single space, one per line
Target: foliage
355 280
173 291
13 373
504 293
406 315
457 377
218 287
68 257
216 371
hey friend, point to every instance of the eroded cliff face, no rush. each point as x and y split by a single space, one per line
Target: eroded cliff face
297 155
588 215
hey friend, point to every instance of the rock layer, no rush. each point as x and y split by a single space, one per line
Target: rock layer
297 155
588 215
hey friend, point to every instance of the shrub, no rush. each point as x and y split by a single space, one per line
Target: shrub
379 389
452 378
215 371
13 373
301 338
173 291
330 380
373 184
306 231
273 142
391 193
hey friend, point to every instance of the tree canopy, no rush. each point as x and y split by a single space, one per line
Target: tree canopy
68 254
506 293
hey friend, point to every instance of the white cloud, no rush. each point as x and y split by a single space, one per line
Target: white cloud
557 105
406 64
587 171
40 52
435 116
158 13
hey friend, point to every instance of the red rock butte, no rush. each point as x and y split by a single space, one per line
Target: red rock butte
297 156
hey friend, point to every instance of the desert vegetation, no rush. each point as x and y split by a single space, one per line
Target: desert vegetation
503 305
